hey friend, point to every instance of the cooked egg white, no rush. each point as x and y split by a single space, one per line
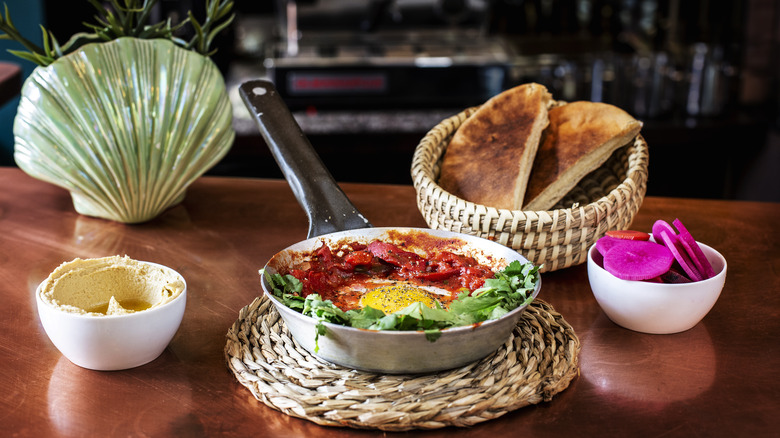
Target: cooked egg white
394 296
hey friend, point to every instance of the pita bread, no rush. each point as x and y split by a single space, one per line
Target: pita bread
488 161
580 138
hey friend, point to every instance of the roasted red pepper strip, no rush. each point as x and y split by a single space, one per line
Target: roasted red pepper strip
392 254
359 258
437 275
324 255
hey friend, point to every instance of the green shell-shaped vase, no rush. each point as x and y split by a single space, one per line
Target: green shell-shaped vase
125 126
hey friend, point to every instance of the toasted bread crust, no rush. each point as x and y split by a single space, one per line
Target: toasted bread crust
580 138
489 159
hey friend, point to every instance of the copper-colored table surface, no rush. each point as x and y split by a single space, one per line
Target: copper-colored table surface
721 378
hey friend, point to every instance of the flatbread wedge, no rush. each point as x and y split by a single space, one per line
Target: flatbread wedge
488 161
580 138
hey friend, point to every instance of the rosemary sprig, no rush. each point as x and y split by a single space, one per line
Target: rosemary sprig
130 18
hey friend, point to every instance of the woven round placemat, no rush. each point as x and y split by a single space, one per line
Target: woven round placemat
539 360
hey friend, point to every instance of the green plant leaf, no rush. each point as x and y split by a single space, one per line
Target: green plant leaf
130 18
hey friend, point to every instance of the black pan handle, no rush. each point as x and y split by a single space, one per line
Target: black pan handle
327 207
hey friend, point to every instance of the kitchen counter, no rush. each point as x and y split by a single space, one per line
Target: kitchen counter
720 378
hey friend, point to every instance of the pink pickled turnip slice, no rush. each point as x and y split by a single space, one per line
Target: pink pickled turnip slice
673 276
605 243
662 225
638 260
694 250
598 258
671 242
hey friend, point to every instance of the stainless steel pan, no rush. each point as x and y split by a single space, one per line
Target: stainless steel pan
333 218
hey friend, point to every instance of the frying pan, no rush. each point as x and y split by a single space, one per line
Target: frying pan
332 219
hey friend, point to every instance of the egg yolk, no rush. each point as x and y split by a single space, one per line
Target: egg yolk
393 298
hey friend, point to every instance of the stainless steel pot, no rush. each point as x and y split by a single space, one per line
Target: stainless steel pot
333 218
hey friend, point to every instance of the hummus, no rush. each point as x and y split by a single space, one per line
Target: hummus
110 286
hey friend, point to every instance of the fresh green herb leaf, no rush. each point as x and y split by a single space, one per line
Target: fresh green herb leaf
128 18
432 335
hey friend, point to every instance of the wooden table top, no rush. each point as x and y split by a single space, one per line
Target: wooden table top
721 378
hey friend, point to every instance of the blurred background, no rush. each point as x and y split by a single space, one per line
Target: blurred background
366 79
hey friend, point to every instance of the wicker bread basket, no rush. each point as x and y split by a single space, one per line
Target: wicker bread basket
606 199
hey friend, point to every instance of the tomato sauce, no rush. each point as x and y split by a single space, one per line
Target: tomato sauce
330 272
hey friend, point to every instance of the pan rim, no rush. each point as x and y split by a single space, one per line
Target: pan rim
451 330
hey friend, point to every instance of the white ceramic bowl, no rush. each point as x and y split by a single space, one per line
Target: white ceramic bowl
113 342
657 308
